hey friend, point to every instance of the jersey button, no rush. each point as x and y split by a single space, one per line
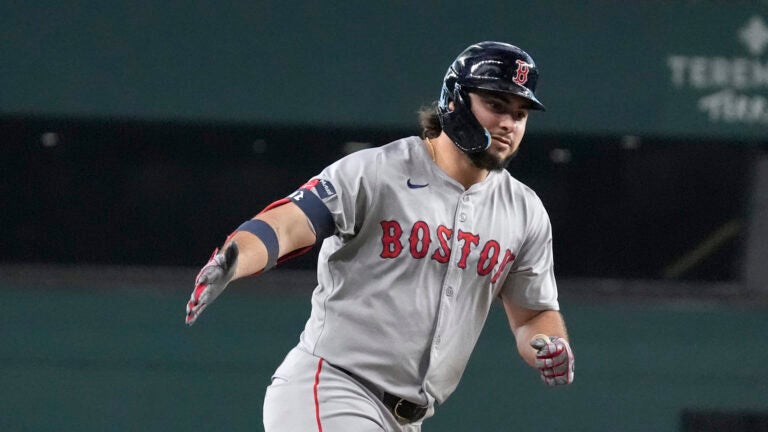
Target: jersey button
465 198
463 217
449 292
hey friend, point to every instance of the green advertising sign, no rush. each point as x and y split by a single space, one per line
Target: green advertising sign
672 68
725 89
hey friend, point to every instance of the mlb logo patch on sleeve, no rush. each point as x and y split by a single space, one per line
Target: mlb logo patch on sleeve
323 187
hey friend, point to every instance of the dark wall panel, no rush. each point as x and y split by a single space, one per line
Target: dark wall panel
80 191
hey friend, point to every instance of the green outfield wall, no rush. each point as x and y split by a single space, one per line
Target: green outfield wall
116 356
684 68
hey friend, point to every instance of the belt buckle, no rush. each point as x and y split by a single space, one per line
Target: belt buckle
400 418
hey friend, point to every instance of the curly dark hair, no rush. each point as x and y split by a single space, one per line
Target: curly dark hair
429 122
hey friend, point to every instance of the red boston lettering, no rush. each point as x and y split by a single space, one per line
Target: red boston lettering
489 257
420 240
469 239
391 246
443 252
508 258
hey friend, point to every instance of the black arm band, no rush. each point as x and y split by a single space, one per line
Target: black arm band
317 213
267 235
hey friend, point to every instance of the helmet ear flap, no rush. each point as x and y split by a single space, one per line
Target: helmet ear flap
462 97
460 124
457 95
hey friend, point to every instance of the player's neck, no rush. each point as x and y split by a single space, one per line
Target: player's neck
456 163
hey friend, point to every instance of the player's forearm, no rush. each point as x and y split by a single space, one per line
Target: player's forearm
291 229
253 254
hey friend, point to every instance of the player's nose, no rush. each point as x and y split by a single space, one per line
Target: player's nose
507 123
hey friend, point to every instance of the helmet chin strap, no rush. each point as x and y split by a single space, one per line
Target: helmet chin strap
461 125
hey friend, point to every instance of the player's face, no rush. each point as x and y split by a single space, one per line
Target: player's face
504 116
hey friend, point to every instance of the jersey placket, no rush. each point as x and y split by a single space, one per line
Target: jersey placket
450 289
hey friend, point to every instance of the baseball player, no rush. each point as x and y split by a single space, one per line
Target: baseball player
419 237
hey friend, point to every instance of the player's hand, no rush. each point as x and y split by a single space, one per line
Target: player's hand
554 359
212 280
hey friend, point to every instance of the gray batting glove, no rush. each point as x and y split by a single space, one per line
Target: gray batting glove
554 359
211 281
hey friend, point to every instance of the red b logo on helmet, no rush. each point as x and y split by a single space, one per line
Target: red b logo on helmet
521 76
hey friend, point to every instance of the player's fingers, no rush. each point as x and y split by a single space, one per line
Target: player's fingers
195 313
207 275
190 312
199 309
538 343
556 381
200 303
556 376
554 372
549 377
199 296
549 351
548 380
191 309
190 305
548 362
560 370
198 292
544 363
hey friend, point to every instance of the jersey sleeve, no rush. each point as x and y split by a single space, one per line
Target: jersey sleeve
335 201
531 280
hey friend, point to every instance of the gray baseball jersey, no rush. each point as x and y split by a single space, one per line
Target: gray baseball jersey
412 264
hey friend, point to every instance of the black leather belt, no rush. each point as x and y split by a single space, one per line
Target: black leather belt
404 410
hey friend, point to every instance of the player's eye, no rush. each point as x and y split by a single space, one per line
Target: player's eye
495 105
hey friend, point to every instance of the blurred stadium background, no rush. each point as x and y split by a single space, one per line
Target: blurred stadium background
134 136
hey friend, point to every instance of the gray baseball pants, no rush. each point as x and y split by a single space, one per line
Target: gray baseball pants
309 394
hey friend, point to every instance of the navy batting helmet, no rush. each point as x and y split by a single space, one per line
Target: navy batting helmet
493 66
